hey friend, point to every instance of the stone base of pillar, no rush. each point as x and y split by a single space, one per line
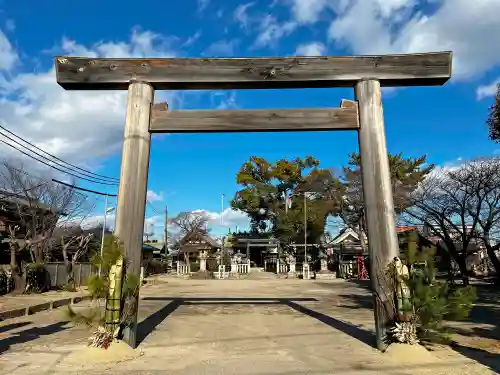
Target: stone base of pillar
326 275
292 274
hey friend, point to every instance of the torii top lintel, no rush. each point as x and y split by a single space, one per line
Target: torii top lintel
422 69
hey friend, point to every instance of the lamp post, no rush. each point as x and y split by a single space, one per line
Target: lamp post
106 211
306 194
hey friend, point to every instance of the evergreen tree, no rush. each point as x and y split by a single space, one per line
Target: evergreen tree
493 121
431 302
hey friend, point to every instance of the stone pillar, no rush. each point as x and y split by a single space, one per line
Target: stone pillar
291 261
234 267
203 261
323 265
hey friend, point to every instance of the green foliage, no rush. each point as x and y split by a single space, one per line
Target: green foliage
112 251
98 285
405 173
37 278
154 267
432 302
262 197
493 120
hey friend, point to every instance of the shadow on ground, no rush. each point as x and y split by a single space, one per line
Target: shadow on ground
29 334
145 327
490 360
485 312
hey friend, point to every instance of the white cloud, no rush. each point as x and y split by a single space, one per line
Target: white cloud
152 196
78 126
192 39
308 11
230 218
271 31
223 100
487 90
222 48
311 49
202 5
468 28
241 15
97 220
8 55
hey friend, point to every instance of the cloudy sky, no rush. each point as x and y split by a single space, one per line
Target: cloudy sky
191 171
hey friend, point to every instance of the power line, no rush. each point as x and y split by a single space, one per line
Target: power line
85 172
155 210
82 189
56 168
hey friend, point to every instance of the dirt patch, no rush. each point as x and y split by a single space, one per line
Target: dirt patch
414 354
88 357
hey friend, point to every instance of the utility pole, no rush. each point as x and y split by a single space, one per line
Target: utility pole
103 230
165 234
222 209
305 228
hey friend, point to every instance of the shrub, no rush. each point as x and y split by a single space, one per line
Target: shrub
37 278
154 267
120 305
431 302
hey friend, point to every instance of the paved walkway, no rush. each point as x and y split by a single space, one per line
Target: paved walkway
254 327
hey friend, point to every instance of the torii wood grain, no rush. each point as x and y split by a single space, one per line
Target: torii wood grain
424 69
266 120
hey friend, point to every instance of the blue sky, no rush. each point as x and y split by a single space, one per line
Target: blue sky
191 171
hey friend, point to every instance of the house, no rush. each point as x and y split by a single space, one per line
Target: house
158 249
260 249
347 245
195 244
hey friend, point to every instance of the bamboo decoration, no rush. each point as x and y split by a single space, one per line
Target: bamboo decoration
113 300
402 290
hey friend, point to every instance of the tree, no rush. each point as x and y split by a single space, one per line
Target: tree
186 225
267 185
74 244
406 174
35 208
493 120
462 207
190 222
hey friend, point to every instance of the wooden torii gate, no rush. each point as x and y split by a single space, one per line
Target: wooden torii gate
366 74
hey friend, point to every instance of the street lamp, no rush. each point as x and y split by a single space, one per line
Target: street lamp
106 211
306 195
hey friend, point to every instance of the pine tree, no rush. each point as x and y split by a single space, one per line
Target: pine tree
431 301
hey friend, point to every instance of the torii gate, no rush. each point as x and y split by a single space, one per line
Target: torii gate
366 74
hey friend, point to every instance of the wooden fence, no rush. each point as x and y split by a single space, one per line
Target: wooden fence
59 276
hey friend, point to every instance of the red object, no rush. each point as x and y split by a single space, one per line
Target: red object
362 274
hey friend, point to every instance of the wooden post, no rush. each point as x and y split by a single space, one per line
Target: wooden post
131 205
379 205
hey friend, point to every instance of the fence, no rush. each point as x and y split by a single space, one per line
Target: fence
244 268
221 273
182 269
283 268
59 275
